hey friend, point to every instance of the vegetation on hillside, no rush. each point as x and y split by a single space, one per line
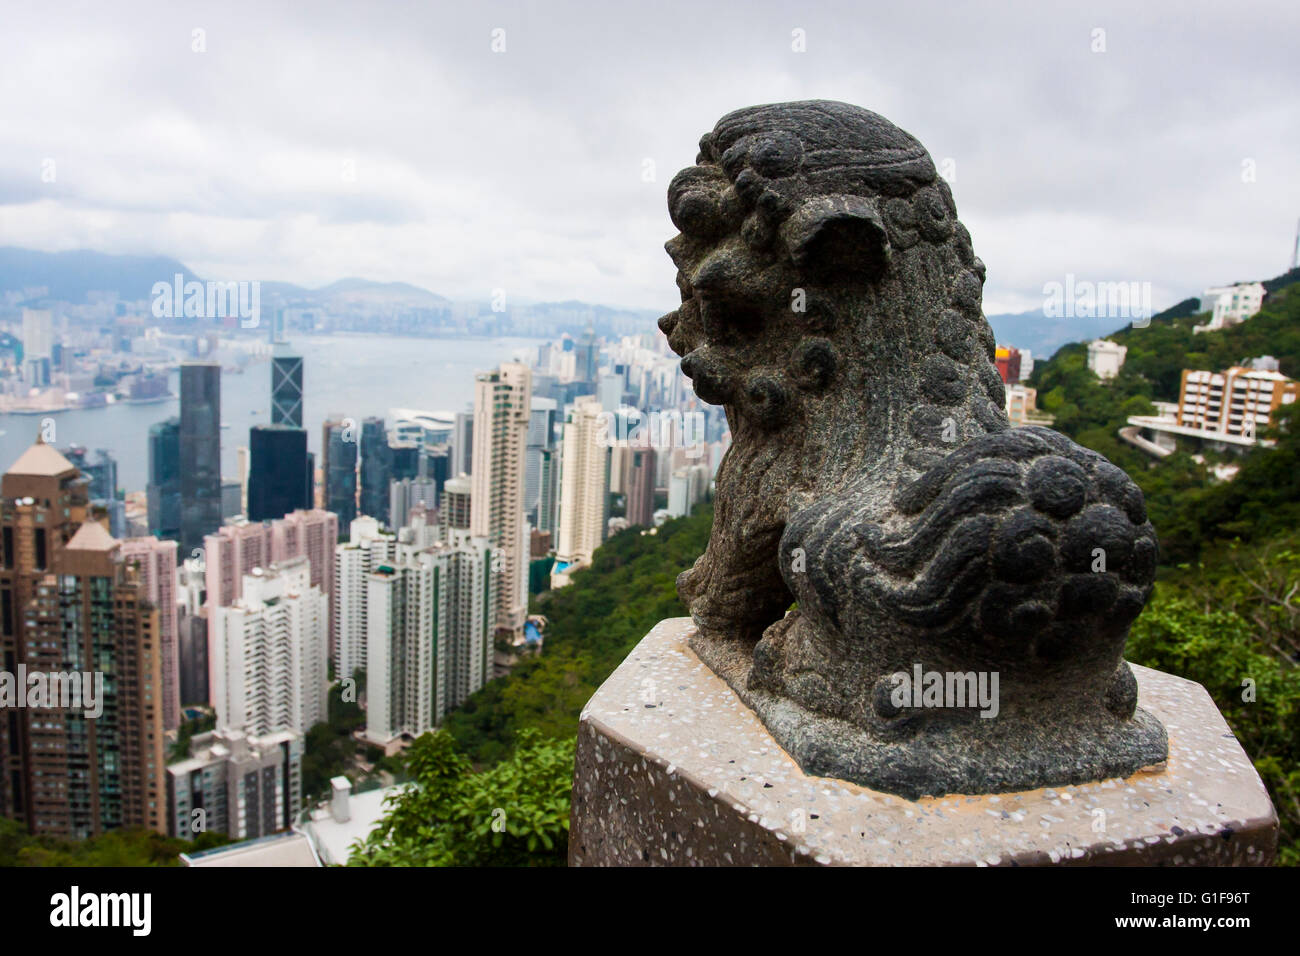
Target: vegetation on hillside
132 847
1191 513
1226 609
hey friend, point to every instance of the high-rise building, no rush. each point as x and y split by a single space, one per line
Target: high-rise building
457 504
70 606
687 488
376 469
270 652
100 469
164 489
237 784
286 388
587 357
641 487
367 548
429 627
502 401
1238 403
232 498
200 452
281 473
406 493
462 444
192 627
237 548
157 572
339 448
436 466
541 439
548 502
38 334
610 391
584 490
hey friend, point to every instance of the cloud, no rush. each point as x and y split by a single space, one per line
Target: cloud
388 140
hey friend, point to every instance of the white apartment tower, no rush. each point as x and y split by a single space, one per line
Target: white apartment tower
368 547
269 657
431 620
502 404
584 489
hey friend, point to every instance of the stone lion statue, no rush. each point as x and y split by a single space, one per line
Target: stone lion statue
876 517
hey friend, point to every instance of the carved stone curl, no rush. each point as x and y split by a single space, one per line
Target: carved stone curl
831 302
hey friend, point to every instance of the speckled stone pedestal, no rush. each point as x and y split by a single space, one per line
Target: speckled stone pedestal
673 769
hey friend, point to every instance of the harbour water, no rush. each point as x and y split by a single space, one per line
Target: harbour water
355 375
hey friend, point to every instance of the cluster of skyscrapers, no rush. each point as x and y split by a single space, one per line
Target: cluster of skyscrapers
404 573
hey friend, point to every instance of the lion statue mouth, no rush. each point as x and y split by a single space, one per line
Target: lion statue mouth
831 302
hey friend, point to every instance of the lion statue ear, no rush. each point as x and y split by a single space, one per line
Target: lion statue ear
837 237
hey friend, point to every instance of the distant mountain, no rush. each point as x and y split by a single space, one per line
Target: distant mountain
1043 335
69 276
390 293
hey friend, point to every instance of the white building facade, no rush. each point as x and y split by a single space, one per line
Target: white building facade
268 660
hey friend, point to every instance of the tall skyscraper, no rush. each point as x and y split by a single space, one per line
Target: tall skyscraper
280 476
164 489
376 469
584 490
157 572
69 605
200 452
286 388
270 653
587 358
339 448
641 487
501 413
541 438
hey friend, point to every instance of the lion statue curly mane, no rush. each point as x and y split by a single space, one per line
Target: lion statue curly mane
876 515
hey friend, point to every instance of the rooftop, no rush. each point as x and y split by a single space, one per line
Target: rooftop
91 536
41 459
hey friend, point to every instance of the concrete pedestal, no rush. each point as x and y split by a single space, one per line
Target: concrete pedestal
673 769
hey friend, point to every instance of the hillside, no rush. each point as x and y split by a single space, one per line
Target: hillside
70 276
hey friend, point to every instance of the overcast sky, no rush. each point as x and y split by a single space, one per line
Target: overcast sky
314 141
